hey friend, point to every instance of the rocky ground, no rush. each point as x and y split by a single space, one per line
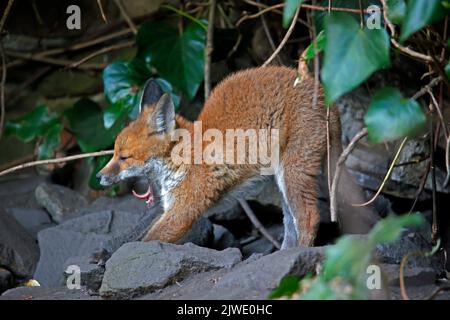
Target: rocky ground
46 228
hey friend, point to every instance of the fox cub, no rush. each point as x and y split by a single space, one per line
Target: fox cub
260 98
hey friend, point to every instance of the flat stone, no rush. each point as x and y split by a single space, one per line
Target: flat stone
138 267
43 293
33 220
61 202
253 278
6 280
19 252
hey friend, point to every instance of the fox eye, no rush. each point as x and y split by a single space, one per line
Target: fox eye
122 158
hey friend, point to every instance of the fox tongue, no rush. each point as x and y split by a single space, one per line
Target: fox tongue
147 196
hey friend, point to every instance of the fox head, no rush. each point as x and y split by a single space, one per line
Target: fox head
146 138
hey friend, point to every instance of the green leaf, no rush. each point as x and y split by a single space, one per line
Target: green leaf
419 13
31 125
447 70
290 6
352 54
391 116
388 229
112 113
86 122
178 57
122 81
51 140
396 10
287 287
99 163
318 44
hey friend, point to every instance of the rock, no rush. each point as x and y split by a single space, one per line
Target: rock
91 272
126 203
250 279
413 276
18 250
223 238
80 237
43 293
33 220
6 280
201 234
138 268
19 191
108 230
261 244
61 202
408 242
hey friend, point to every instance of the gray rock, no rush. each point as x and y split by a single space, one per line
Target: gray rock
91 272
19 191
223 238
18 250
413 276
250 279
33 220
61 202
261 244
80 237
408 242
126 203
105 230
6 280
43 293
138 268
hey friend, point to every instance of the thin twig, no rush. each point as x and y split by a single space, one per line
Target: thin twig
102 12
118 46
2 89
5 15
269 36
439 112
53 61
56 160
386 178
209 47
434 225
437 291
407 51
257 223
125 15
337 174
285 39
426 88
311 7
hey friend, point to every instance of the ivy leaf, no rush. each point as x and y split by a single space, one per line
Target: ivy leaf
51 140
99 163
396 10
388 229
318 44
352 54
287 287
178 57
447 70
31 125
391 116
122 82
419 13
86 122
290 6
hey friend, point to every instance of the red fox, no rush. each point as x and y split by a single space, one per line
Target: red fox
260 98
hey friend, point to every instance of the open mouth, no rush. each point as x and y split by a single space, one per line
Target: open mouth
147 196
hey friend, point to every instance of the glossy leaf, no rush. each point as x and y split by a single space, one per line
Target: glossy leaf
178 57
31 125
290 6
318 44
288 286
351 55
99 163
50 141
397 10
389 229
419 13
391 116
86 122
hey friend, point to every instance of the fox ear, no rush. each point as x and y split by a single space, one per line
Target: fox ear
163 118
151 94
